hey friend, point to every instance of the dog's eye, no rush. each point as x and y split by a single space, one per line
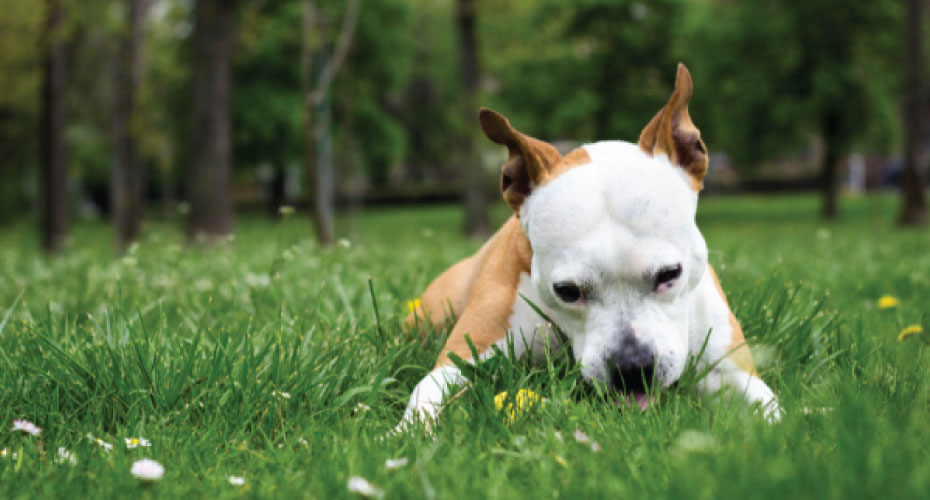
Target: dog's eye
666 277
567 292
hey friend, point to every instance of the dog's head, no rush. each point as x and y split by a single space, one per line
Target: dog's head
616 252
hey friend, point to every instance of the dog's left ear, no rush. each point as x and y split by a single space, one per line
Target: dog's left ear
672 133
529 162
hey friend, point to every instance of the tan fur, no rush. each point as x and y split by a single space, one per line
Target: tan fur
671 132
739 349
481 289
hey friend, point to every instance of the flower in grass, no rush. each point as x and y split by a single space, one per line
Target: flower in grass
413 305
107 447
236 480
344 243
281 394
909 331
585 439
395 463
6 453
137 442
26 426
147 469
65 456
286 210
360 485
888 302
522 401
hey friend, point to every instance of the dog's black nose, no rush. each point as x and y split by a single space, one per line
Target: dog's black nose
633 378
632 367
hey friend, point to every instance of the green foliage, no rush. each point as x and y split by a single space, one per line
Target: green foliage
193 349
764 87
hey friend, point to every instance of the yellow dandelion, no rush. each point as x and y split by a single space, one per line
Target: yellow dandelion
888 302
521 402
910 330
413 305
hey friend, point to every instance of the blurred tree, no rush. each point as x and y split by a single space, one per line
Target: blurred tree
913 199
477 218
268 102
592 69
53 181
127 177
21 26
209 183
318 109
811 68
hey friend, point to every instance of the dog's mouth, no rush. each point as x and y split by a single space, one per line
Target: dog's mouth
636 387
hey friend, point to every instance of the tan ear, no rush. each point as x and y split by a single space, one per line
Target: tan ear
529 162
671 132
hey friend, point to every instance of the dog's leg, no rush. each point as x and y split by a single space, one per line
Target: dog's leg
728 377
428 395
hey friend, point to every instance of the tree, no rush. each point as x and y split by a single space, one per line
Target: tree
209 181
477 220
53 178
775 83
913 200
126 181
317 78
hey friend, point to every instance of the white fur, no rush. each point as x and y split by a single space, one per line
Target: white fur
428 396
611 225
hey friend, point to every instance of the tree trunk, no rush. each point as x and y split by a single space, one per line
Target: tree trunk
913 200
53 179
828 181
477 220
209 182
314 125
126 180
318 149
325 197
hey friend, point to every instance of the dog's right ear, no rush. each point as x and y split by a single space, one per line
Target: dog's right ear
529 162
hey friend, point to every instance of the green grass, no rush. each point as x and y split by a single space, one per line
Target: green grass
187 347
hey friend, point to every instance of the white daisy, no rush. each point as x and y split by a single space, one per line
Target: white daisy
26 426
66 456
236 480
285 395
107 447
147 470
136 442
360 485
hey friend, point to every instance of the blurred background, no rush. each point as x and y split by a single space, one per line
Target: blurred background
198 110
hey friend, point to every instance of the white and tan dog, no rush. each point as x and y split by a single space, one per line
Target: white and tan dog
604 242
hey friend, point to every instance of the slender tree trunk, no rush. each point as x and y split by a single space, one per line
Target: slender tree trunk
325 197
53 179
209 181
913 199
828 180
477 220
317 77
126 180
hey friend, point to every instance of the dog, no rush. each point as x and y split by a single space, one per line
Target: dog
603 242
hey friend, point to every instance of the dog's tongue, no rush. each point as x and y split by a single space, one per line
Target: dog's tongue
640 399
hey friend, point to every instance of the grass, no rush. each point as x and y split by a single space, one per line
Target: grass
192 348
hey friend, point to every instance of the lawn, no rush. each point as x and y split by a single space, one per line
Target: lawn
270 359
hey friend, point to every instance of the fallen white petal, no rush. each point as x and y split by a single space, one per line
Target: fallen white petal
360 485
395 463
581 437
236 480
26 426
147 470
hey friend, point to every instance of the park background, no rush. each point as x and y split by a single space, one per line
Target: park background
214 215
123 110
